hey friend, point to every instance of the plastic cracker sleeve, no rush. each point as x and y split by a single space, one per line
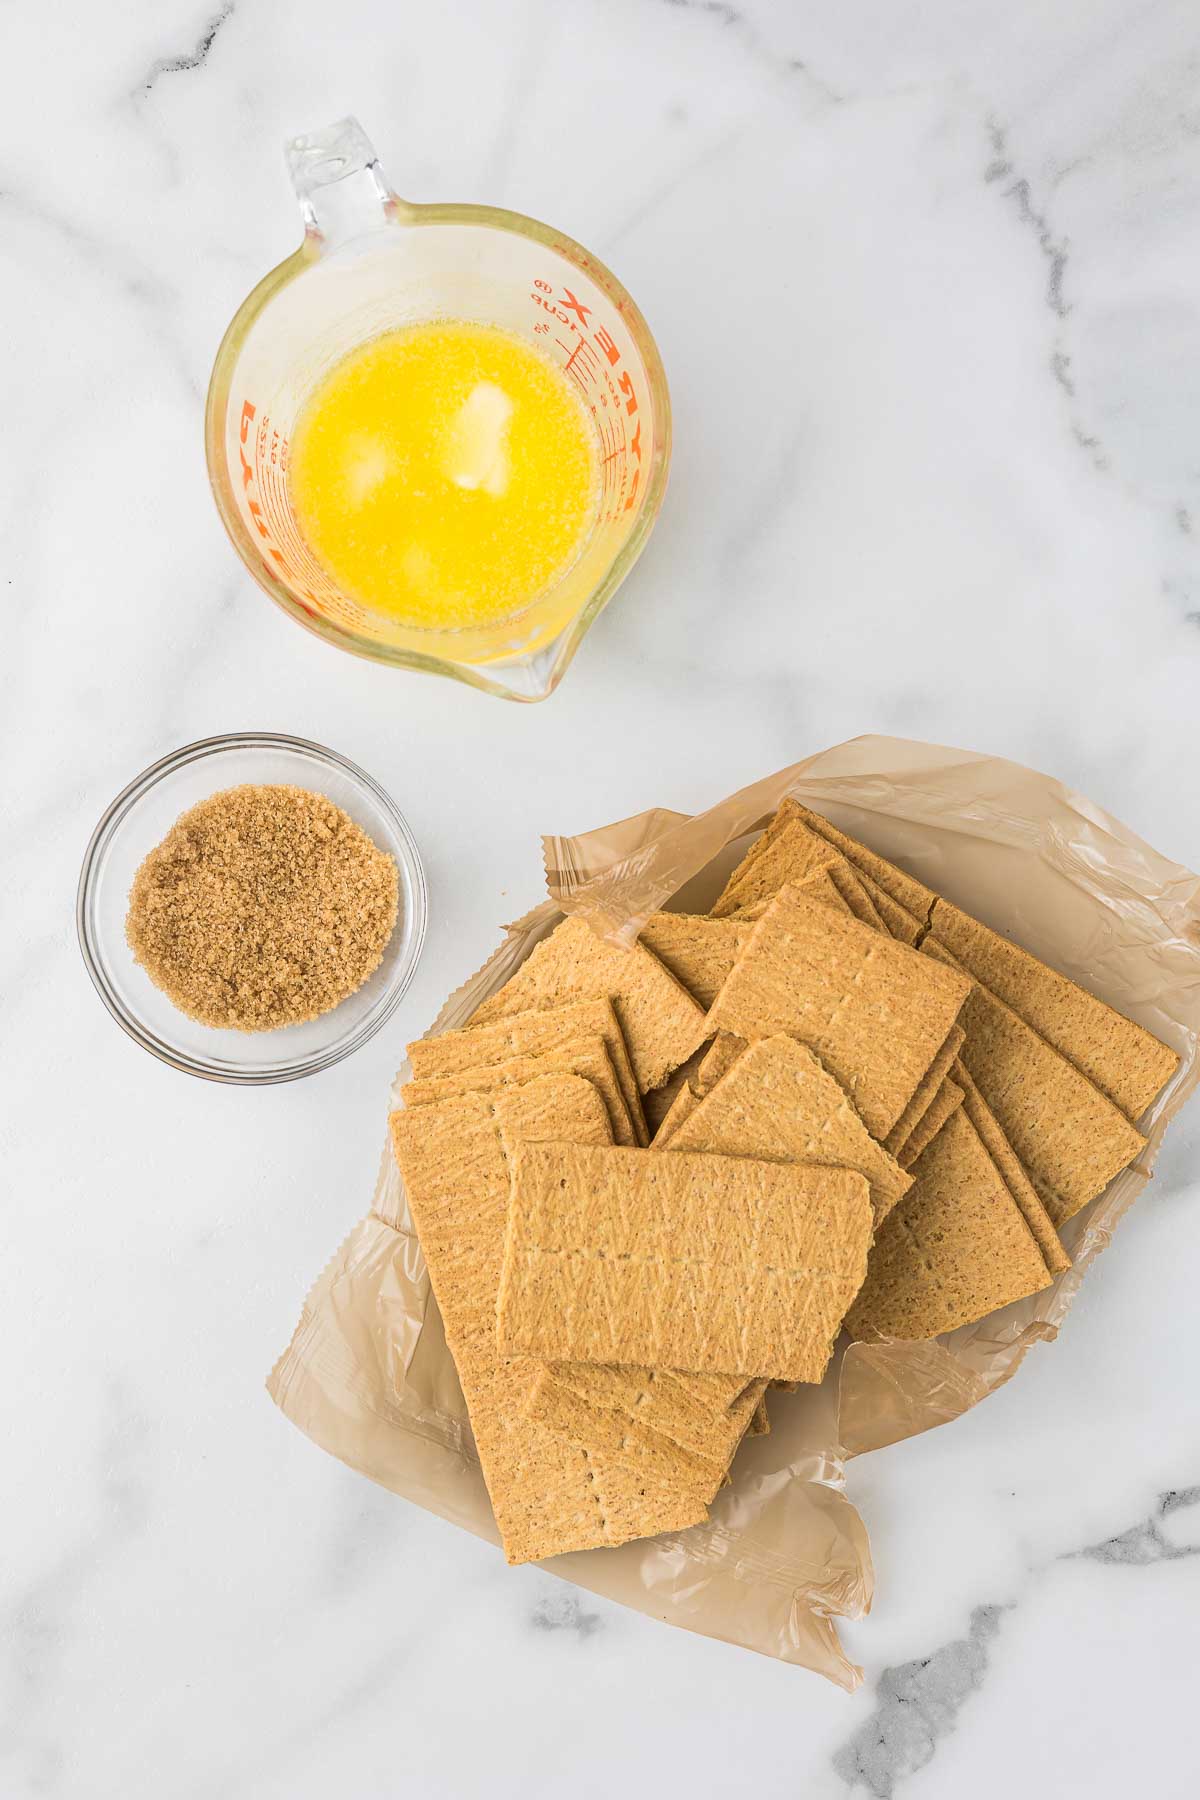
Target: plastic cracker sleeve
367 1374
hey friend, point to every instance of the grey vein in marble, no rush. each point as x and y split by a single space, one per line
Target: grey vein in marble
918 1703
111 259
1087 440
1055 251
180 65
1146 1542
651 202
734 20
1021 194
565 1612
1060 366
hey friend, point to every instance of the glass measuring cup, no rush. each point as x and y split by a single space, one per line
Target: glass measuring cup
370 262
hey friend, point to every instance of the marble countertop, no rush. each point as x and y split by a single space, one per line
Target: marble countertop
926 279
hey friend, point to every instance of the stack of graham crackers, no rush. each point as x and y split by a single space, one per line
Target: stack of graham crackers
651 1183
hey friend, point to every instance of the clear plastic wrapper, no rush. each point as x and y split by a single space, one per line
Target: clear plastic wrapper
368 1376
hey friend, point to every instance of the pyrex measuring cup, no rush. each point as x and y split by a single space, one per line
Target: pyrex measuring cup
370 262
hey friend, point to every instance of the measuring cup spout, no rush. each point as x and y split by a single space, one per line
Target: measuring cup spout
342 191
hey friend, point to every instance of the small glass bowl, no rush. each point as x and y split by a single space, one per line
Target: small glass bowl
140 817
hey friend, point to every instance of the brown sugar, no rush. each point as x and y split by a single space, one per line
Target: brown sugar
262 906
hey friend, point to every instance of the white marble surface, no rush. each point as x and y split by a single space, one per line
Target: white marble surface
927 284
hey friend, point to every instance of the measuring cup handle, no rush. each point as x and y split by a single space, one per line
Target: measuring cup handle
341 189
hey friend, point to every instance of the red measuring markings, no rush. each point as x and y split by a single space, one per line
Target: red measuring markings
572 313
252 506
582 313
583 365
586 356
268 503
612 445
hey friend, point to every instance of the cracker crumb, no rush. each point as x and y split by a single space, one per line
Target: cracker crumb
263 906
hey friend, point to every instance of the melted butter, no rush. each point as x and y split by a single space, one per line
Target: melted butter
444 474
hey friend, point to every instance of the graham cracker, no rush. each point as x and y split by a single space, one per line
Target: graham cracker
898 903
688 1425
926 1091
776 1101
548 1496
790 857
717 1058
820 886
1122 1059
530 1034
858 893
760 1423
898 922
855 997
832 886
714 1264
947 1100
1015 1179
660 1021
759 847
657 1104
698 951
912 894
682 1107
853 890
748 914
869 902
578 1056
955 1248
1070 1137
766 837
652 1418
699 1414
